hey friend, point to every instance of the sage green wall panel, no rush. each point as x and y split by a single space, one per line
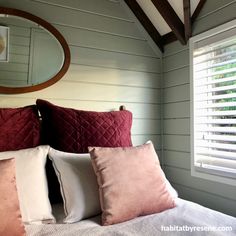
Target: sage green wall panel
176 110
139 111
176 77
103 7
16 21
101 75
96 57
177 94
90 39
176 61
19 31
76 18
8 75
214 19
177 159
98 93
146 127
177 126
183 175
16 58
177 143
214 5
19 40
140 139
17 49
174 48
9 81
10 66
206 199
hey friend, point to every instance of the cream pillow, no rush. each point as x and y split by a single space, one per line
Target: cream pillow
31 184
78 184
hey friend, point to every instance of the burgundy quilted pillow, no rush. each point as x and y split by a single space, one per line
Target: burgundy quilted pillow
71 130
19 128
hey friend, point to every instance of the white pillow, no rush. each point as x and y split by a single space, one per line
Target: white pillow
31 184
78 184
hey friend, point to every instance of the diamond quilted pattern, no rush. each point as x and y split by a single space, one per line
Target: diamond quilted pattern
19 128
71 130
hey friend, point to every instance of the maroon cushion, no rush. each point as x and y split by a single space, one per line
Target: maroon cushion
19 128
71 130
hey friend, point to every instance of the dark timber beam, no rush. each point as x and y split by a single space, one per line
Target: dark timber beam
171 18
197 10
168 38
144 20
187 20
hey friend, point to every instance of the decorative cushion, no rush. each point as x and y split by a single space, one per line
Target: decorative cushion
32 184
71 130
10 224
131 182
19 128
78 184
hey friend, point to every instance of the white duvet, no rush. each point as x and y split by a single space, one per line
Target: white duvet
187 218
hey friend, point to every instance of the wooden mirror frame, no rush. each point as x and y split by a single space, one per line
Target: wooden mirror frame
56 34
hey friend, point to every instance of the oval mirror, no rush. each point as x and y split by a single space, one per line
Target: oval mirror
33 54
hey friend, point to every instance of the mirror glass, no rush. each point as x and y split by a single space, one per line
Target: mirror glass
31 56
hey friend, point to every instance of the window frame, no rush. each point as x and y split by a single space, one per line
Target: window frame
195 171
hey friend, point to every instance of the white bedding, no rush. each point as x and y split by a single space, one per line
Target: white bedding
185 216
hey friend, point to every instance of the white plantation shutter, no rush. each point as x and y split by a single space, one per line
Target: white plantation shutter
213 66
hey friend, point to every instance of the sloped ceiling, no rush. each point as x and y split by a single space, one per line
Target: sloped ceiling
167 20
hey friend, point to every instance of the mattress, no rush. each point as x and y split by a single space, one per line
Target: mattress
187 217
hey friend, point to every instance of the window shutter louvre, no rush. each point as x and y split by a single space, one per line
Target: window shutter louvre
214 104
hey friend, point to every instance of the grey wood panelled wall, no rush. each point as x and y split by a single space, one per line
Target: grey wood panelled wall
176 105
112 63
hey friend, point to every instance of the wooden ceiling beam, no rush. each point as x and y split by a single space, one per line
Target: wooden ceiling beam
171 18
197 10
146 23
187 19
168 38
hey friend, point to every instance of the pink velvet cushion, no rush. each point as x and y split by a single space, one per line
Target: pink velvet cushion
131 182
10 223
71 130
19 128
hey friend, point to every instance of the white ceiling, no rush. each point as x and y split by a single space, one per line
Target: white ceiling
156 18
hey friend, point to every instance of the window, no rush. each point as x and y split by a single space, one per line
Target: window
213 104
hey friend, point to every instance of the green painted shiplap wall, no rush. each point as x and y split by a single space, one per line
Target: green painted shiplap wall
176 115
112 63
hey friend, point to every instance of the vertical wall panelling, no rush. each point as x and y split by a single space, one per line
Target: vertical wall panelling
113 62
176 103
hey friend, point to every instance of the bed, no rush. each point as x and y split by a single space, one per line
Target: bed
57 217
186 218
